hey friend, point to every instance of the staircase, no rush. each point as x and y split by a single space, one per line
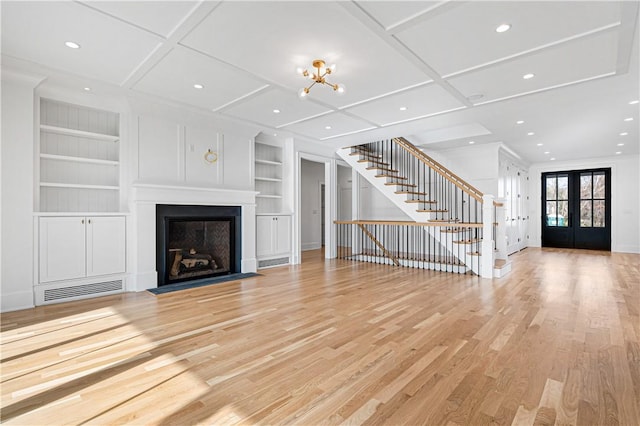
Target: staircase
448 216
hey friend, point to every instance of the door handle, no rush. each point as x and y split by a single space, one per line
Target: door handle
570 219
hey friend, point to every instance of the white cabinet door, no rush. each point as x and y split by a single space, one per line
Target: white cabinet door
264 235
62 248
105 245
282 235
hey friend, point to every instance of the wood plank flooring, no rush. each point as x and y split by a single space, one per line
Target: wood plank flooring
341 342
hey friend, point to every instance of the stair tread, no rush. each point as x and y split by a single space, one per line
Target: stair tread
391 176
475 240
383 169
411 193
421 201
432 211
401 184
372 161
474 253
500 263
454 221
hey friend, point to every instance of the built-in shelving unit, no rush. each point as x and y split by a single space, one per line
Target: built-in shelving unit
268 178
79 159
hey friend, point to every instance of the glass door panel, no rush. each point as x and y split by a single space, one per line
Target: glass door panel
584 195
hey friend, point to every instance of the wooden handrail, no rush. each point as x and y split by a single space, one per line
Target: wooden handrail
409 223
379 244
440 169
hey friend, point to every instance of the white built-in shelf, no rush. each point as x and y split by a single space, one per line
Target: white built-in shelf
272 163
78 159
78 133
78 186
268 196
266 179
79 170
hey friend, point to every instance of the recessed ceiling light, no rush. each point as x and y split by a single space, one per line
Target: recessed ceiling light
624 134
519 121
403 108
620 144
547 152
633 102
198 86
528 76
475 97
502 28
530 134
87 89
72 44
628 119
539 144
276 111
471 142
618 152
552 158
327 127
275 134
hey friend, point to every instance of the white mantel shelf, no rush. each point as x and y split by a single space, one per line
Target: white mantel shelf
175 194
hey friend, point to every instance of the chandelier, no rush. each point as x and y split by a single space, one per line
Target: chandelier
318 77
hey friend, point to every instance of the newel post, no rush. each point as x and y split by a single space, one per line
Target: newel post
486 266
501 231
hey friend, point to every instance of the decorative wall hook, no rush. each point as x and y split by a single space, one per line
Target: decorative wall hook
210 156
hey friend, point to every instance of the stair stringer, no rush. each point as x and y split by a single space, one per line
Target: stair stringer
398 200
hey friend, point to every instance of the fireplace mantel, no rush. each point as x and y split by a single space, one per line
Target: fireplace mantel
172 194
145 197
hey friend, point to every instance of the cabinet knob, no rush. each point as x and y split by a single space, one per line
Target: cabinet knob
89 221
82 221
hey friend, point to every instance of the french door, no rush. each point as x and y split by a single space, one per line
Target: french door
577 209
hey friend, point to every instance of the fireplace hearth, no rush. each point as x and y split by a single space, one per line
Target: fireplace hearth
196 242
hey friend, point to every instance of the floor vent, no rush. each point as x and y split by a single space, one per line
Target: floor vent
81 290
273 262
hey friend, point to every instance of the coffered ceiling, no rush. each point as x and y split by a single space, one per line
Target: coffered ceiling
436 72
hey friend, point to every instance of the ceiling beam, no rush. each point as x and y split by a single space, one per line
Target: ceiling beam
357 12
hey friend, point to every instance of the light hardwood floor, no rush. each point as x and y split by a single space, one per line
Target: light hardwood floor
341 342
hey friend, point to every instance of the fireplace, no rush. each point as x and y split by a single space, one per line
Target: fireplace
196 242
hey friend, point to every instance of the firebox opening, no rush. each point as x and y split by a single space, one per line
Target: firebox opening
196 242
198 248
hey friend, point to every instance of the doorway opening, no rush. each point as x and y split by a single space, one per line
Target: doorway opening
312 208
577 209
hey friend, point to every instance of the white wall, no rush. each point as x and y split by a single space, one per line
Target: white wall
169 147
625 198
311 176
476 164
345 192
374 205
17 191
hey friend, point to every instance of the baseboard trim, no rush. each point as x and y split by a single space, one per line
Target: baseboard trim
17 301
143 281
249 265
626 249
311 246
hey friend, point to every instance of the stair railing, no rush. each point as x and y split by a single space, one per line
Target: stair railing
434 189
403 243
